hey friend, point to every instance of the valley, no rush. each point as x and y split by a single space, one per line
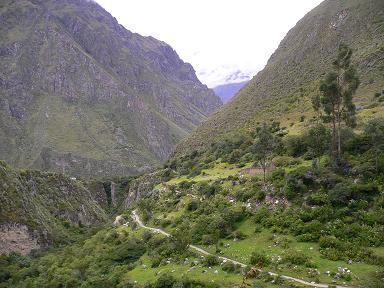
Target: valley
121 169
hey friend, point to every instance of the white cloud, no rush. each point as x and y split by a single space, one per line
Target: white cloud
221 35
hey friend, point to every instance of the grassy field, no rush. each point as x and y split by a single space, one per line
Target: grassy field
265 241
219 171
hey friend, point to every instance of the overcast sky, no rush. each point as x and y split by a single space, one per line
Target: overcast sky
218 37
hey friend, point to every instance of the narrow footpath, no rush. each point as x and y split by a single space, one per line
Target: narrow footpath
137 219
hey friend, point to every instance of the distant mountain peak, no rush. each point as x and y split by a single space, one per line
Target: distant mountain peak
225 75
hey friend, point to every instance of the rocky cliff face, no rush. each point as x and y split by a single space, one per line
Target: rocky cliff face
81 94
37 208
283 89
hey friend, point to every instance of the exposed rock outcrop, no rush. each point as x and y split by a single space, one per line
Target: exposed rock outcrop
37 208
142 186
80 94
17 238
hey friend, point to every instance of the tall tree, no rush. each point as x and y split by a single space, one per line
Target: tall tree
317 140
374 130
266 145
337 90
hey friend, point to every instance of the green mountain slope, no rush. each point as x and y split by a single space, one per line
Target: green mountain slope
81 94
282 90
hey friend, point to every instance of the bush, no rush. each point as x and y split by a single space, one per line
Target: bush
193 205
207 189
207 239
318 199
165 281
186 185
4 275
261 214
20 260
147 235
230 267
297 258
295 146
278 174
329 242
210 261
284 161
129 251
343 192
259 259
239 235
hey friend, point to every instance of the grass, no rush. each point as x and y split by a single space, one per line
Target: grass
144 273
219 171
242 249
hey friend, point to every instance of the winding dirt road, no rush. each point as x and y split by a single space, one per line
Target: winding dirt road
137 219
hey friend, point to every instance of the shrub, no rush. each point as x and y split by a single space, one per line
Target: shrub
231 267
260 195
20 260
165 281
318 199
147 235
284 161
193 205
129 251
259 259
210 260
261 214
207 239
343 192
297 258
4 275
295 146
207 189
156 261
239 235
186 184
278 174
329 242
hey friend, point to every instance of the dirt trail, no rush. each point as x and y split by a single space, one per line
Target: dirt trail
137 219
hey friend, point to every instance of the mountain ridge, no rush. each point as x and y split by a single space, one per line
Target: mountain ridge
81 94
294 70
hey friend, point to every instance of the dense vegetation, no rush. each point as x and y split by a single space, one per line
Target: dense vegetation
306 203
308 214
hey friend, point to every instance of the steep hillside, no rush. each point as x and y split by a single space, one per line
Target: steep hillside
38 208
81 94
283 89
227 91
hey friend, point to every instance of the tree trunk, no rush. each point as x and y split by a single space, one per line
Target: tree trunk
264 168
339 139
334 144
377 160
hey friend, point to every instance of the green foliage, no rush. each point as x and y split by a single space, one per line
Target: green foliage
338 88
165 281
342 193
231 267
267 144
259 259
128 251
374 131
210 261
294 257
